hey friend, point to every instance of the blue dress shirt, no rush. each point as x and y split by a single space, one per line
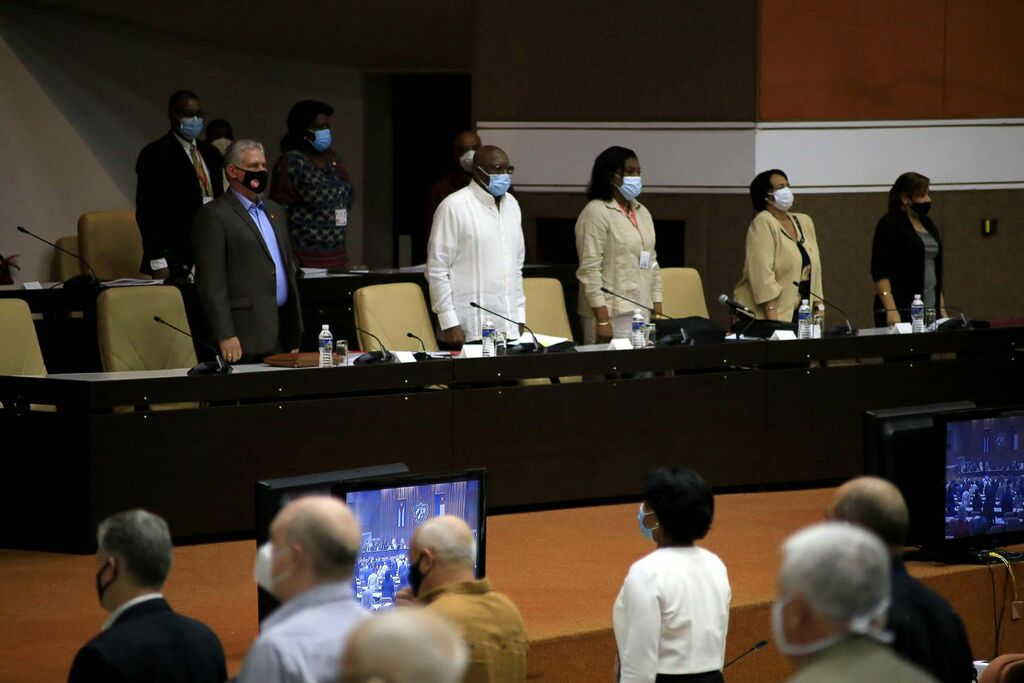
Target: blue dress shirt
259 217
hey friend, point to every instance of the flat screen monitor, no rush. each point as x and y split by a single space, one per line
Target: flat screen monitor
390 508
274 494
984 477
899 444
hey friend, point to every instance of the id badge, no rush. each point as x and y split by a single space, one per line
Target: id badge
645 260
207 200
341 217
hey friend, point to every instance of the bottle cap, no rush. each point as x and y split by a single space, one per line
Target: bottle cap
324 327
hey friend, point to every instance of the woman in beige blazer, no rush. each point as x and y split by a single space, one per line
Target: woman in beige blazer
615 245
782 249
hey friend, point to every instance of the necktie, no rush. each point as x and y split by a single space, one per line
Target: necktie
204 181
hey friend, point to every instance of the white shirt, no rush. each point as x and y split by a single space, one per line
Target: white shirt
672 615
131 603
476 253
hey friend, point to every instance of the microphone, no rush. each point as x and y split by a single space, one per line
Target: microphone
207 367
757 646
537 347
736 306
370 357
422 353
635 303
83 282
850 330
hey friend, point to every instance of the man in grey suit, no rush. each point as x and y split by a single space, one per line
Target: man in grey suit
245 270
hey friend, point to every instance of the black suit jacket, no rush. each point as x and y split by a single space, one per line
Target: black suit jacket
897 253
150 643
927 631
236 280
166 199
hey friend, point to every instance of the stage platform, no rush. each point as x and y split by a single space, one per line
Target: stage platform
563 568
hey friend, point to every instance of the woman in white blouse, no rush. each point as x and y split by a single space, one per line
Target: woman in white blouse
615 245
672 614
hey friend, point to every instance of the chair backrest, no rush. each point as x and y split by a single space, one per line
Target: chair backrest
682 293
389 311
129 338
19 345
64 266
110 242
1007 668
545 307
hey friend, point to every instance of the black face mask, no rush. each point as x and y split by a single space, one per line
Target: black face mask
921 208
101 589
255 181
416 577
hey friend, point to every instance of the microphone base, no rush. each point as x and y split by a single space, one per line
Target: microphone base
81 284
519 349
211 367
846 330
374 358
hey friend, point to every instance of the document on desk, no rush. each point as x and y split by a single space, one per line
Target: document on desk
405 356
544 340
472 351
131 282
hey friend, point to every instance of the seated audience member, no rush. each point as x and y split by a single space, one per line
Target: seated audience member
404 645
442 554
672 613
829 615
143 640
177 174
307 564
926 630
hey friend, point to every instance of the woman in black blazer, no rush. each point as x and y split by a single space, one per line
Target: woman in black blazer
906 255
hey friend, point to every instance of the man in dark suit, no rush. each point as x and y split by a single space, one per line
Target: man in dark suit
143 640
245 270
177 174
926 630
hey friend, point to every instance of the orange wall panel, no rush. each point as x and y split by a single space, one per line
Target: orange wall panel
832 60
984 69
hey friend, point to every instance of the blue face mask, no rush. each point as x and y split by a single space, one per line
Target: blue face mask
321 139
498 183
631 187
640 516
191 127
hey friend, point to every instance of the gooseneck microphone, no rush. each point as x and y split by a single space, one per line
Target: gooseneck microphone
649 309
537 347
736 306
757 646
422 353
207 367
83 281
382 356
850 329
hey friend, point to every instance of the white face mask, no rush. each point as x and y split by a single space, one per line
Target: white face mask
782 198
263 568
466 160
865 625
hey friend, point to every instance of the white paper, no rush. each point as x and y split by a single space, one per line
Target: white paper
472 351
904 328
405 356
131 282
620 345
544 340
783 335
35 284
314 271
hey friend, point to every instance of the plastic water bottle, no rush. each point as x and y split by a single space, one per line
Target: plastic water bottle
803 320
488 337
917 315
326 345
638 331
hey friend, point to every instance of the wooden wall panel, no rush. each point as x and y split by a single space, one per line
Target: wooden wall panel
873 59
984 70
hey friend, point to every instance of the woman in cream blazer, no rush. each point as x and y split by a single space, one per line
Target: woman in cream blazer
615 245
782 249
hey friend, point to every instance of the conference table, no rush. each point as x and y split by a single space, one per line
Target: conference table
749 415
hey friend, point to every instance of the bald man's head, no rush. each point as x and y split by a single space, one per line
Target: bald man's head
448 538
326 529
875 504
492 159
431 649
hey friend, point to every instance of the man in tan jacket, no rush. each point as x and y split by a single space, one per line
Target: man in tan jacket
441 578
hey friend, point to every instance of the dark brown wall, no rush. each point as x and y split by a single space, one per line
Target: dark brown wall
982 274
604 60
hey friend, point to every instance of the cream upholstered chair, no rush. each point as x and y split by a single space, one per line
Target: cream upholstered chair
545 307
389 311
110 242
129 338
19 345
683 293
65 266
